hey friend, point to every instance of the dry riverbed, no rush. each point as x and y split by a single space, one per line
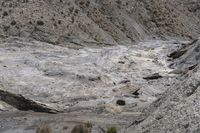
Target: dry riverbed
98 84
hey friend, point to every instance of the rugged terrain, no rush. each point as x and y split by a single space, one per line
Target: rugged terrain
131 64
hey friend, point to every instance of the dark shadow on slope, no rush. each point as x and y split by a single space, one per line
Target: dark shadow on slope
21 103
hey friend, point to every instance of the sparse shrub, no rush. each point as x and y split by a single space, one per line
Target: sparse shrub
55 24
30 22
87 3
59 22
40 22
82 128
76 11
71 9
5 13
88 124
81 3
13 22
119 2
112 130
5 28
44 128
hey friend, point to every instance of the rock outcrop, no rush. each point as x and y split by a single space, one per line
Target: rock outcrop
177 110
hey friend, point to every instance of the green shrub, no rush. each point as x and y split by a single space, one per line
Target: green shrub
112 130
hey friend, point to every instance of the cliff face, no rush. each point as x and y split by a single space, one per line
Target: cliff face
105 21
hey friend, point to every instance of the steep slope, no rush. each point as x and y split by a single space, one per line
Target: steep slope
177 110
193 6
78 22
50 21
161 17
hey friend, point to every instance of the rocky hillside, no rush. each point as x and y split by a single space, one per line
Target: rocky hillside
179 113
177 110
127 65
89 21
193 6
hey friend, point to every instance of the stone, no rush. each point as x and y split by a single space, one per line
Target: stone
153 76
121 102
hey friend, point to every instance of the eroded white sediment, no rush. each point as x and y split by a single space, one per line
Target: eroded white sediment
88 77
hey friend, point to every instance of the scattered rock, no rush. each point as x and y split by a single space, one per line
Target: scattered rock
153 76
94 78
178 53
121 62
13 22
192 67
121 102
5 13
136 93
124 81
65 127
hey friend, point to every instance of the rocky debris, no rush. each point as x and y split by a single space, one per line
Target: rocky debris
187 57
21 103
121 102
192 6
180 52
177 54
183 71
136 93
192 67
75 22
153 76
177 109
